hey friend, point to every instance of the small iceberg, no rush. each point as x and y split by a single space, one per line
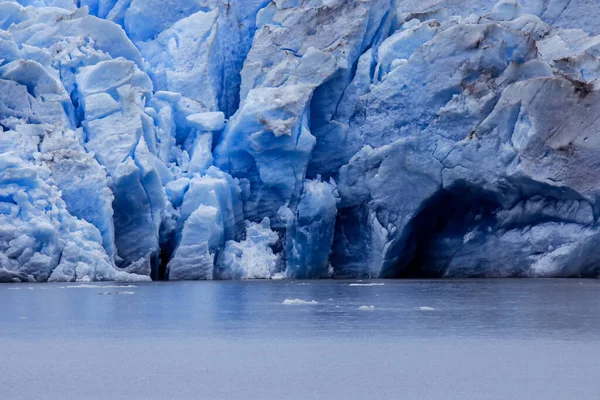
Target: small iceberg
426 308
87 286
367 284
115 293
366 308
298 302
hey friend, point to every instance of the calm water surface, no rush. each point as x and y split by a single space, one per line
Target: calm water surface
477 339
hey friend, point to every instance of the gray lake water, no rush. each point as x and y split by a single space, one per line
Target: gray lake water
476 339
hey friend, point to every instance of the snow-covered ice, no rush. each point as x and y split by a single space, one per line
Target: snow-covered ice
185 139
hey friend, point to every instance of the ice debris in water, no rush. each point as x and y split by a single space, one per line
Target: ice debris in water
424 308
366 308
116 293
85 286
367 284
298 302
186 139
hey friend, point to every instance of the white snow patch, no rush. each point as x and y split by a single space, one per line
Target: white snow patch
366 308
298 302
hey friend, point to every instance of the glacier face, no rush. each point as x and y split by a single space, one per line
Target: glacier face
211 139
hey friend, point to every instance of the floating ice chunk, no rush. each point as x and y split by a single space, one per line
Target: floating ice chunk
116 293
298 302
83 286
424 308
366 308
87 286
367 284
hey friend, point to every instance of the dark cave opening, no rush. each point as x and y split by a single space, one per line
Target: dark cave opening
168 244
159 272
424 252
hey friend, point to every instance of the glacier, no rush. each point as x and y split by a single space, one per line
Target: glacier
255 139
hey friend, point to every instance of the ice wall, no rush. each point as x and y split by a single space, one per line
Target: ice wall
205 139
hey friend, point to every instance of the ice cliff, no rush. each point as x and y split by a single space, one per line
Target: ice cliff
240 139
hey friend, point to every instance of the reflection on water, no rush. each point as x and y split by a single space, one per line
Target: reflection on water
559 309
457 340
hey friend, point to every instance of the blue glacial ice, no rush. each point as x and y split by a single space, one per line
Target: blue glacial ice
210 139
